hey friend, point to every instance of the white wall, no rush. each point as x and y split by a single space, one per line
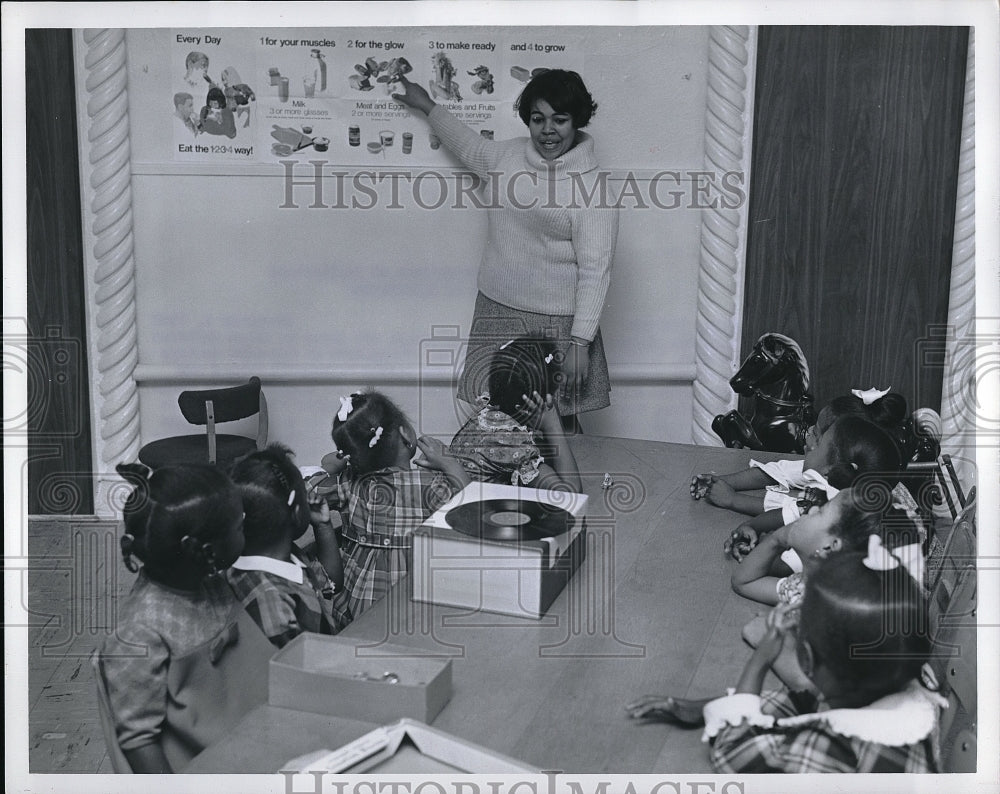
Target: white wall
319 302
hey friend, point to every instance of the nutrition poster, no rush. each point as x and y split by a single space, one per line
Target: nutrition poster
254 96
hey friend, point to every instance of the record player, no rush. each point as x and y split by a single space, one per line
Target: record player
500 548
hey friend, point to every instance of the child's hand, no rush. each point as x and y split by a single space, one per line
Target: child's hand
541 415
741 542
335 462
720 493
701 484
436 455
780 621
319 510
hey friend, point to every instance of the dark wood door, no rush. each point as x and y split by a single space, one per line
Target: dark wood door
852 201
58 417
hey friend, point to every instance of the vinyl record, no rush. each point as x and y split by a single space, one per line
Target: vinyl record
509 519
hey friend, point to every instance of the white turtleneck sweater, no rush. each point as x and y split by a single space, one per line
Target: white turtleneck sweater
551 237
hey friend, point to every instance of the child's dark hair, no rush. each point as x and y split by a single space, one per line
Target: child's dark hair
173 514
565 92
521 366
217 94
868 627
370 433
889 410
274 497
868 510
859 447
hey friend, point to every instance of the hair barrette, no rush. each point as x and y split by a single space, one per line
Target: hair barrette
879 558
549 357
378 434
506 344
291 498
868 396
346 406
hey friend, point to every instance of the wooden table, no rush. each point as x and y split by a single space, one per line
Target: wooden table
649 611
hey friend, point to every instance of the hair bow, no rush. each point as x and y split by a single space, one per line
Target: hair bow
881 559
346 406
376 437
868 396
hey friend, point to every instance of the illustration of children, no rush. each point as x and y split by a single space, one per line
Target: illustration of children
186 122
238 94
216 117
196 65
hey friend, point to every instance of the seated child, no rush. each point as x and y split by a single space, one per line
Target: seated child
917 436
870 713
501 442
842 524
286 589
386 498
850 447
185 662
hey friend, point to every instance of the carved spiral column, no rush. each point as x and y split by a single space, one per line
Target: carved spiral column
105 166
959 398
728 130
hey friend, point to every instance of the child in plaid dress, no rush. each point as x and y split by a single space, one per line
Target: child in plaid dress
869 712
387 498
286 589
185 662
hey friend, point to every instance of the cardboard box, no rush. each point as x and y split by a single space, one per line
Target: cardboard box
407 747
332 675
519 578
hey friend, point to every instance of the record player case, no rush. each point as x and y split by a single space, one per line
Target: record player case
520 578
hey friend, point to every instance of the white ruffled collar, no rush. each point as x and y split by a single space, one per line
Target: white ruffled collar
898 719
902 718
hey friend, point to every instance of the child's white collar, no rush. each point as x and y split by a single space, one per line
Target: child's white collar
292 571
902 718
898 719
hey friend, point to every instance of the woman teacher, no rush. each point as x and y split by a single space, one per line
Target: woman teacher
552 232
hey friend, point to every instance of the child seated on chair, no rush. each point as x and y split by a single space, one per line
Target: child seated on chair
385 497
845 524
504 442
870 712
842 524
185 662
286 589
850 447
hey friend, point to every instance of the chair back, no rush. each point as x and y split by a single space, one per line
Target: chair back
207 407
119 763
953 604
223 405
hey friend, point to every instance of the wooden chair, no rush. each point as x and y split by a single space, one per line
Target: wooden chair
934 483
210 407
119 763
953 599
956 675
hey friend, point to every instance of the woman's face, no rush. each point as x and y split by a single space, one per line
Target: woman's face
552 133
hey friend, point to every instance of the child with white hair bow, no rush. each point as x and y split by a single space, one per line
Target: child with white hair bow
862 637
384 493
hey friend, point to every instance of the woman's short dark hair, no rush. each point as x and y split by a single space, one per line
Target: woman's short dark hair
563 90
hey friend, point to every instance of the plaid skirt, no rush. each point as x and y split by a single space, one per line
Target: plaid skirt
370 572
493 324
